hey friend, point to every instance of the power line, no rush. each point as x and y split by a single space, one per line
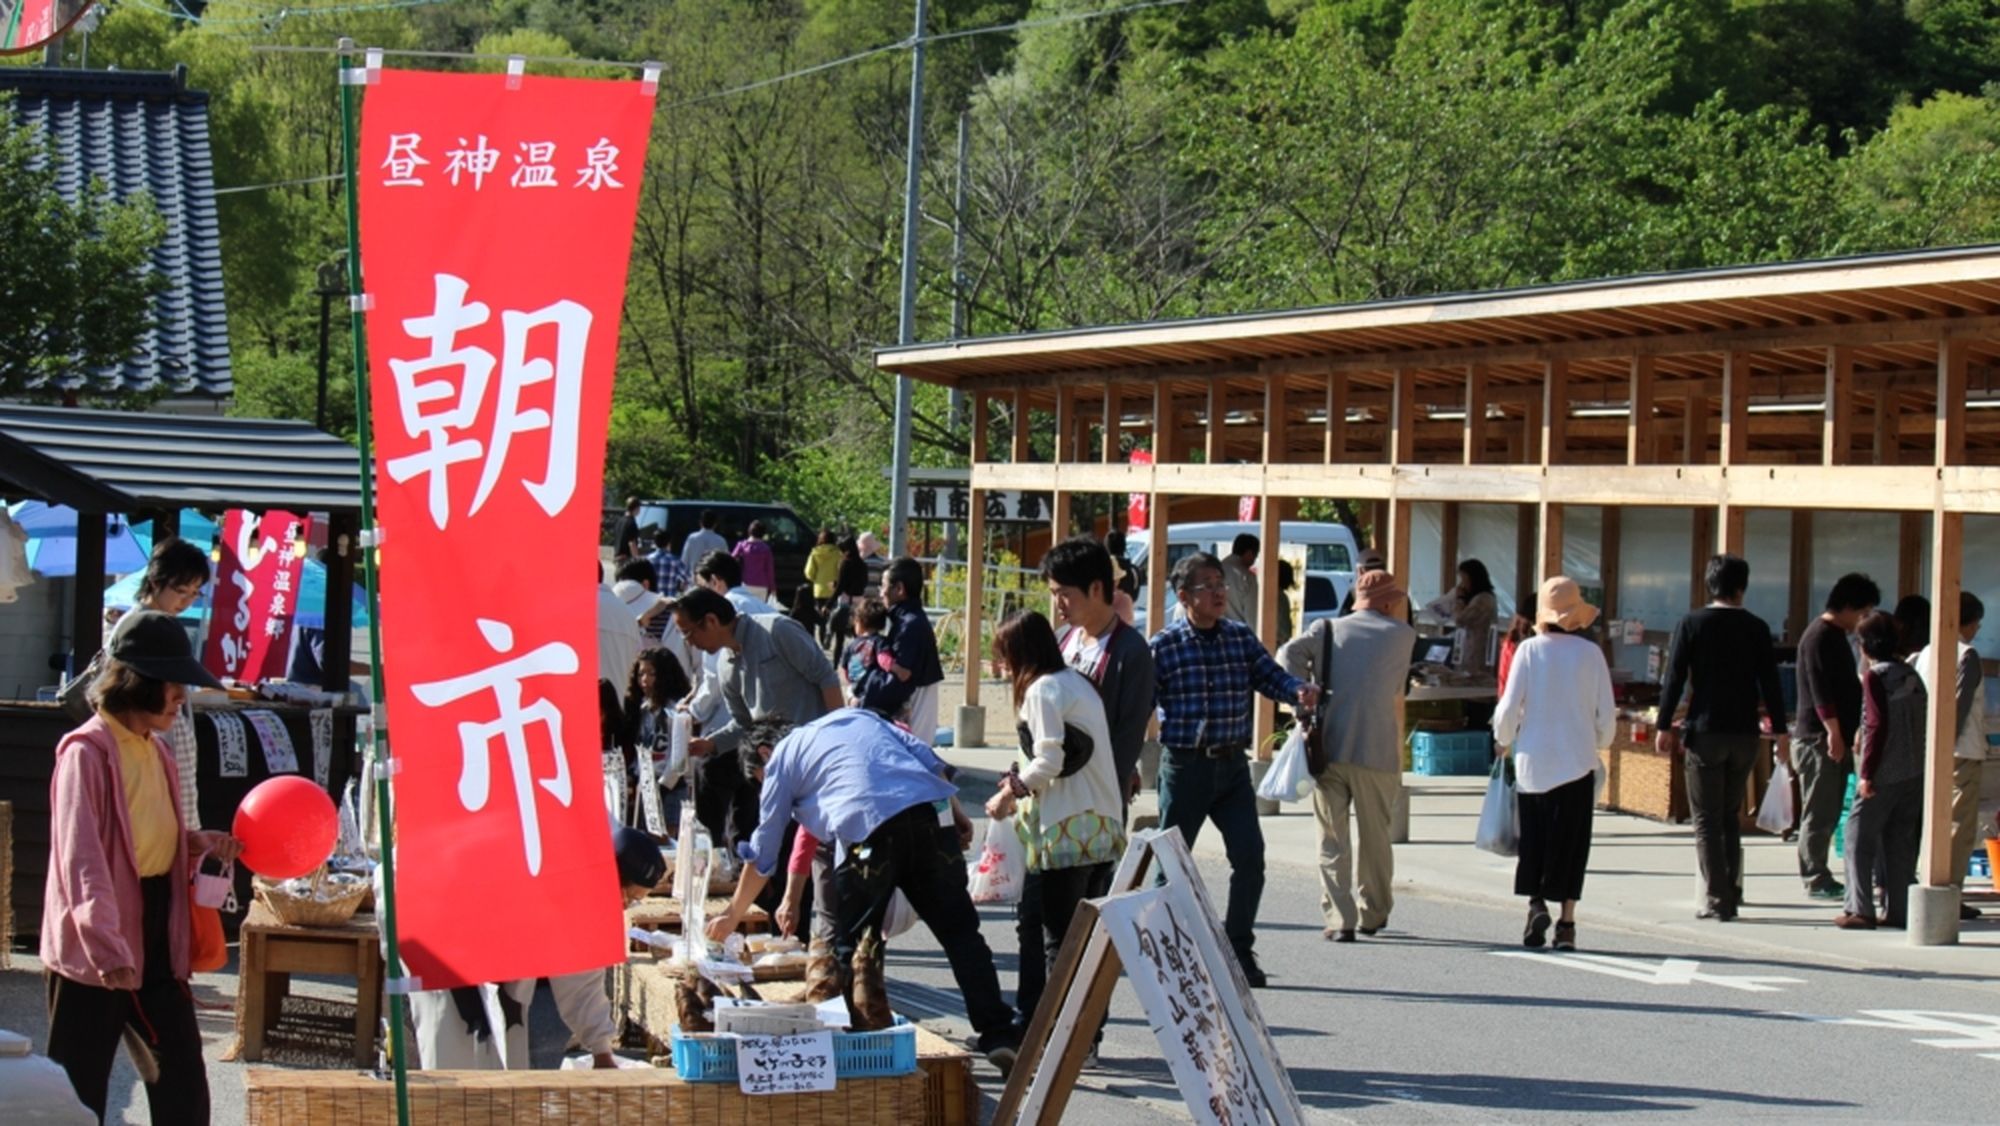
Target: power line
277 184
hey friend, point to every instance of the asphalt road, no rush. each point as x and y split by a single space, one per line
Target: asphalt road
1445 1018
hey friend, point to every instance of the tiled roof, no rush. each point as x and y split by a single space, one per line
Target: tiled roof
144 132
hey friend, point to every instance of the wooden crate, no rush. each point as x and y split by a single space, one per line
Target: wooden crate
633 1097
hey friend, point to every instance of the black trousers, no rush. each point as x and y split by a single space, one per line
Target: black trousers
86 1023
1555 841
1048 903
1718 770
724 803
910 852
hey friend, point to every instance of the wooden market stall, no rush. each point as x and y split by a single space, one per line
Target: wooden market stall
1778 394
153 466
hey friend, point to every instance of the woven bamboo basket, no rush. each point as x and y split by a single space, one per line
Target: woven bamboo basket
334 908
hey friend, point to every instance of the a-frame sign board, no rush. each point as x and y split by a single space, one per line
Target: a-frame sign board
1157 922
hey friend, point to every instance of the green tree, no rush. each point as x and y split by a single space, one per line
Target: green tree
76 277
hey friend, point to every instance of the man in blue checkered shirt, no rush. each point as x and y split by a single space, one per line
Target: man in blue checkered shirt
670 575
1206 665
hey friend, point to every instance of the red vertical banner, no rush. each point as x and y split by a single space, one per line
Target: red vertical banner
1137 503
496 224
256 594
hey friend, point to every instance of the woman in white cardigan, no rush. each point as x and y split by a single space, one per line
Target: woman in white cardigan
1064 788
1555 715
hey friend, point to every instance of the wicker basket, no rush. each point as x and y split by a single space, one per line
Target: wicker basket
300 911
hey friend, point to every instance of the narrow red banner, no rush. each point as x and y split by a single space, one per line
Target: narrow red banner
256 594
496 223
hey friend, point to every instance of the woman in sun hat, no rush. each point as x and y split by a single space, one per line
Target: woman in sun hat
117 932
1556 713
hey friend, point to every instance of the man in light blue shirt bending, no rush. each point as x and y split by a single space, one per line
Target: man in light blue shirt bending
882 797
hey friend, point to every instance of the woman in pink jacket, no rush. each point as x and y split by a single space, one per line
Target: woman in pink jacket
115 931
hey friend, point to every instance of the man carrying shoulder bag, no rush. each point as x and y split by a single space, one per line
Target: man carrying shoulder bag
1362 661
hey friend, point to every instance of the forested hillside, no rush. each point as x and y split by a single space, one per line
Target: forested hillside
1209 157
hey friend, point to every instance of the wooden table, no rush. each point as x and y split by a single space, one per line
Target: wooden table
274 951
663 913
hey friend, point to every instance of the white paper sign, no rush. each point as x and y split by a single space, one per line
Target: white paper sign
279 755
232 745
783 1065
614 784
1171 960
649 794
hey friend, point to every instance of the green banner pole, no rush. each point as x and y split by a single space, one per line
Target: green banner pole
384 809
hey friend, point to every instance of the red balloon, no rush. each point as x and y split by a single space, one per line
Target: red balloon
288 827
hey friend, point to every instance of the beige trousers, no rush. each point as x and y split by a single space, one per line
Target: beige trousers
1355 864
1966 776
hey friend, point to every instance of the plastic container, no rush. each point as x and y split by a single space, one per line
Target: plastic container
1438 753
709 1058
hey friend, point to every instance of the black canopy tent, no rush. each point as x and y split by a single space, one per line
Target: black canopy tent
153 465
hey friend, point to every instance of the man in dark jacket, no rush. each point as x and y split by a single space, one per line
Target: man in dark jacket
904 683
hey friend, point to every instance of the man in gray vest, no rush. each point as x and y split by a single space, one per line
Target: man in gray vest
1362 664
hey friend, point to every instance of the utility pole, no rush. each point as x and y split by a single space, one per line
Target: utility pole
906 321
956 415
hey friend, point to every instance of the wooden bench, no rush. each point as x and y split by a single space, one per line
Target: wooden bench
273 951
626 1097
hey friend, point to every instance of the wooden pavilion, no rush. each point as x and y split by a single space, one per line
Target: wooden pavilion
1800 388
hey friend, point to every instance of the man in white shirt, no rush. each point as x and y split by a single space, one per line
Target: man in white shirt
703 541
1241 580
618 636
1969 751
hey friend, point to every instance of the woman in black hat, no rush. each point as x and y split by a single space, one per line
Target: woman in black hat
116 932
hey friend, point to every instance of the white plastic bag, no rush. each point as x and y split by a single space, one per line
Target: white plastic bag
899 917
1288 779
1002 867
677 756
1774 813
1499 815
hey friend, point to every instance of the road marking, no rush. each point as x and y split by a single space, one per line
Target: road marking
1961 1031
1667 971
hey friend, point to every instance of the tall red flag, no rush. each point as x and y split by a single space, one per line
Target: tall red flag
496 223
256 594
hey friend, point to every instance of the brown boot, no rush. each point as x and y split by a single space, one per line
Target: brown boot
867 990
822 975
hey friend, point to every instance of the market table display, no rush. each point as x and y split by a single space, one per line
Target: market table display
663 913
273 951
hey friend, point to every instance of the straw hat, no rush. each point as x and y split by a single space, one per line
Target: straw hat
1561 604
1377 591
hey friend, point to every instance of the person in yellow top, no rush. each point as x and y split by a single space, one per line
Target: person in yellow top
116 934
823 572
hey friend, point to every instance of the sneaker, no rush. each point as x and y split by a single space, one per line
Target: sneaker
1719 914
1849 922
1338 934
1538 925
1371 932
1565 936
1252 972
1002 1058
1967 912
1828 891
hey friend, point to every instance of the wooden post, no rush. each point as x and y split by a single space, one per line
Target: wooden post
1378 526
1694 431
1218 405
87 607
1730 532
1163 423
1024 450
1735 449
1475 415
1703 546
1267 613
1447 548
1946 564
1639 441
1156 561
1114 415
1274 420
343 549
975 570
979 422
1798 603
1336 419
1549 536
1612 537
1837 440
1527 529
1909 554
1531 432
1888 416
1399 538
1555 416
1950 404
1402 444
1061 452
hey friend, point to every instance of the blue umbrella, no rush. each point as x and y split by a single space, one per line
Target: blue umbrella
310 603
51 532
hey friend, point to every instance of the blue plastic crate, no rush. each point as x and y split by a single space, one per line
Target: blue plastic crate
707 1058
1437 753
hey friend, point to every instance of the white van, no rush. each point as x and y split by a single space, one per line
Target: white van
1329 551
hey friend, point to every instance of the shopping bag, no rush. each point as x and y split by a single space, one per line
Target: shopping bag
208 951
1499 815
1288 779
1774 813
1002 867
899 916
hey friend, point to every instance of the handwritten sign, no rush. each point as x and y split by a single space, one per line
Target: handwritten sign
784 1065
1170 967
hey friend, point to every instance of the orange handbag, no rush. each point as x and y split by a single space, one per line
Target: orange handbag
209 950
